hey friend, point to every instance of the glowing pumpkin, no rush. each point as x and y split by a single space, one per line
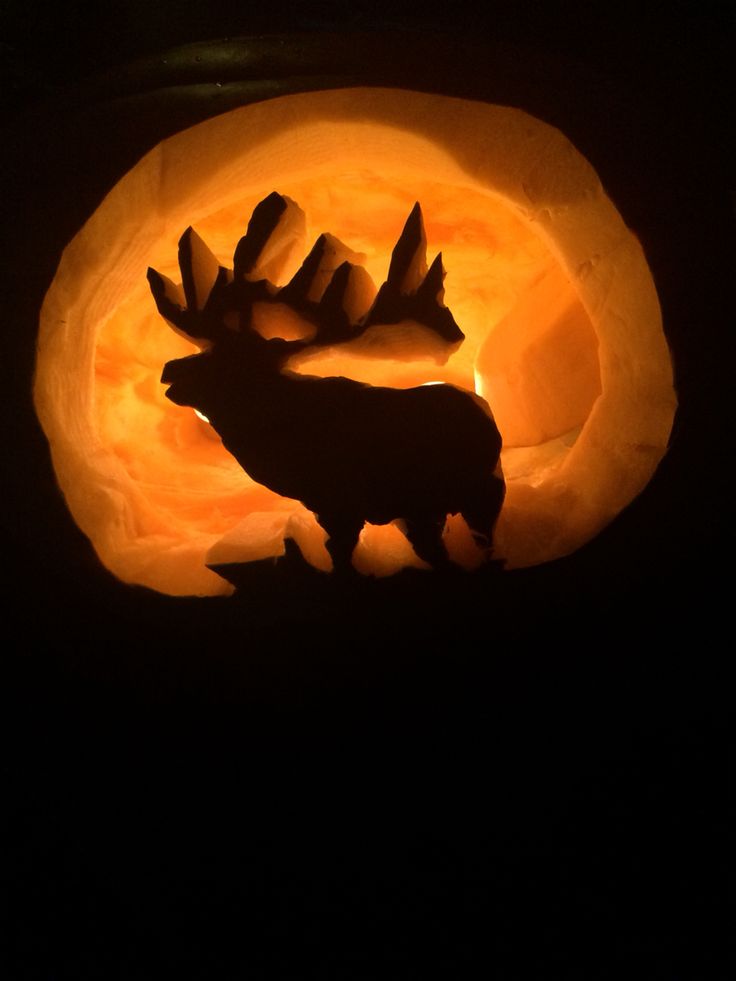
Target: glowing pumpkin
563 328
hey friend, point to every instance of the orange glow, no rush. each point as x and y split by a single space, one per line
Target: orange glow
563 331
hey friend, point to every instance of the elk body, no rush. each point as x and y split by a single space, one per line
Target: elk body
350 452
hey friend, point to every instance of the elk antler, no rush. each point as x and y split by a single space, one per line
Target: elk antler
329 291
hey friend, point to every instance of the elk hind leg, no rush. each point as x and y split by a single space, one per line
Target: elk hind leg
481 514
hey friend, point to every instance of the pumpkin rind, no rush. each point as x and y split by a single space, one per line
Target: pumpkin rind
529 165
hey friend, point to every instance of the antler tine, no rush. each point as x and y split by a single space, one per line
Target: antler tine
304 285
199 326
199 269
429 307
330 291
411 291
276 225
344 303
190 308
169 298
408 265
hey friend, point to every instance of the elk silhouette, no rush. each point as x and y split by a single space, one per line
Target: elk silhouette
350 452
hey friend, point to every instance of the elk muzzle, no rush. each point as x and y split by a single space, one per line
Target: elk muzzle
184 376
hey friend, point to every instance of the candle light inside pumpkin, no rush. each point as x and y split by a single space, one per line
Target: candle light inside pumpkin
563 329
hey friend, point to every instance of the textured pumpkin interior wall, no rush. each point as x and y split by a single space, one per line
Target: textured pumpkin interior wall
563 328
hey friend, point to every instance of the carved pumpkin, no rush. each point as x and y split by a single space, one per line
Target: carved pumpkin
563 328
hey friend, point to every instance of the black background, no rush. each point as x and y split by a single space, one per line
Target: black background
524 777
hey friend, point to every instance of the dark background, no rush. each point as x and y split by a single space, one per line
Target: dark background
524 777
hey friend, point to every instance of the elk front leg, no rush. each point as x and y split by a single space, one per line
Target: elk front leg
342 537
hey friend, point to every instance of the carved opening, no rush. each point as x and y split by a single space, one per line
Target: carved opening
563 332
